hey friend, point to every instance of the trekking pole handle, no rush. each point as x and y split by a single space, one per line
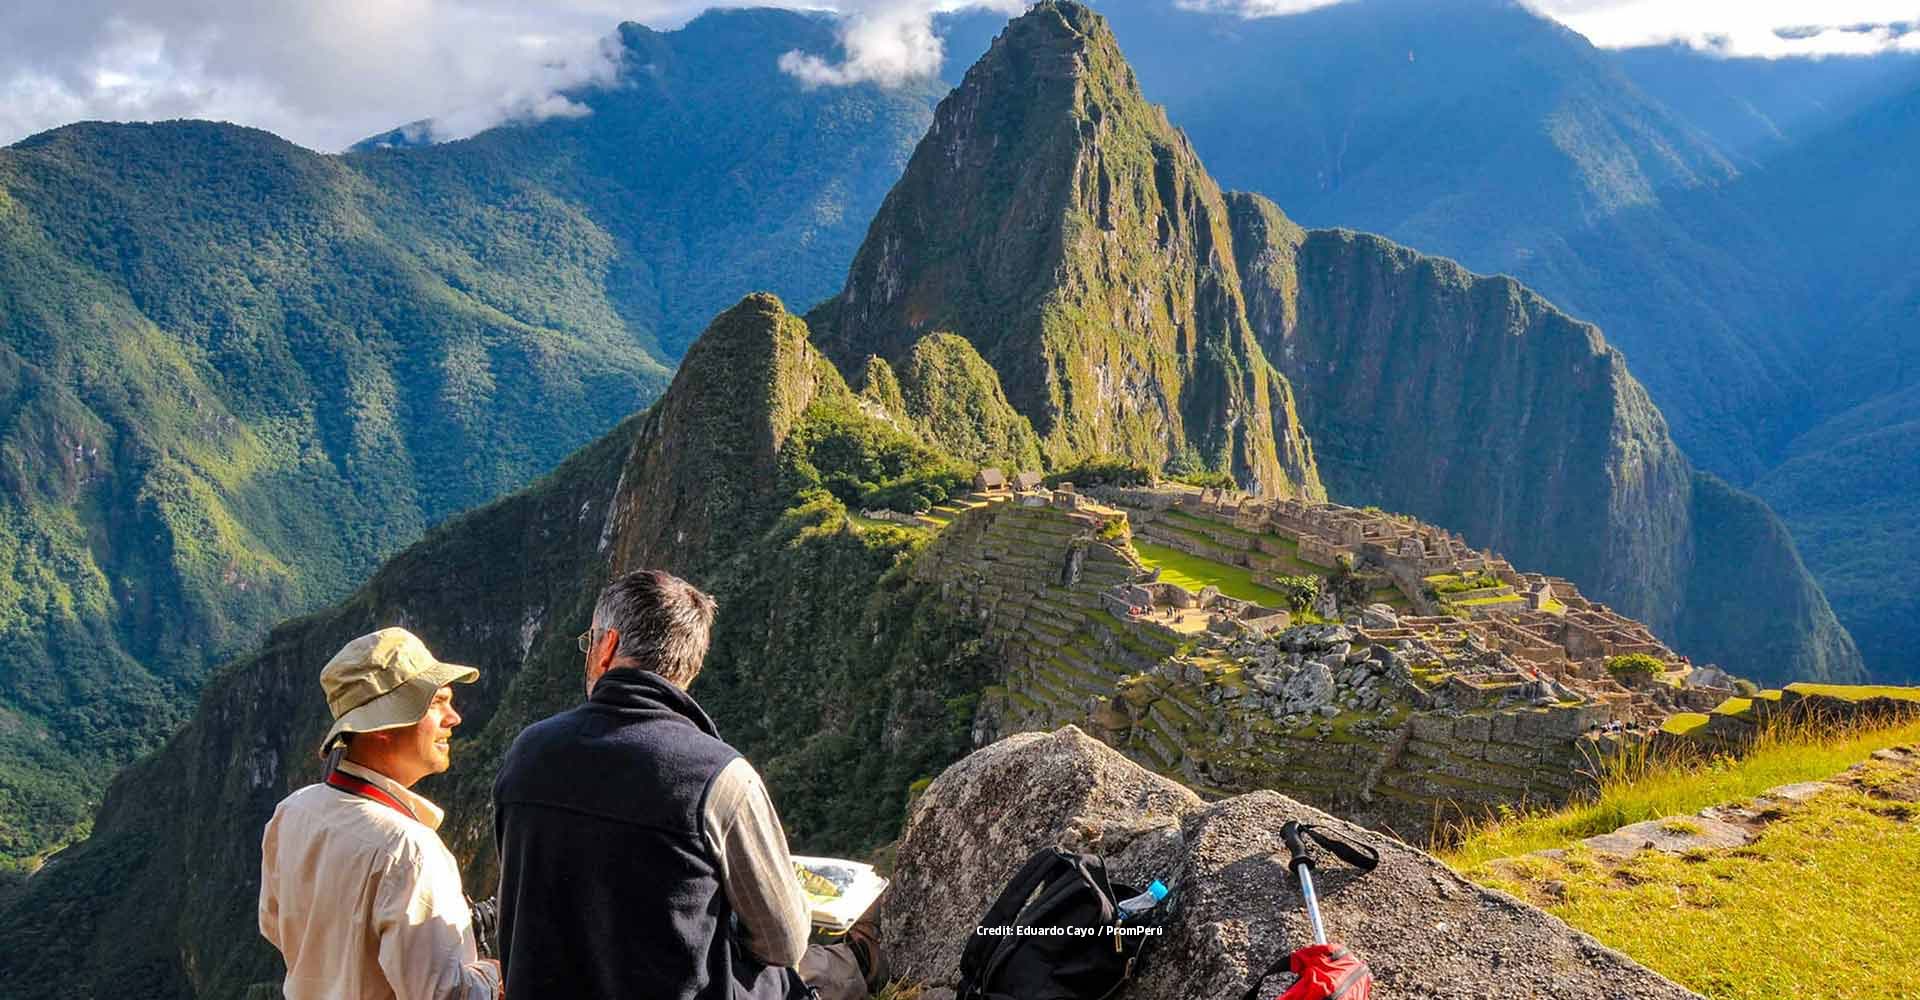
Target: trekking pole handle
1296 842
1302 866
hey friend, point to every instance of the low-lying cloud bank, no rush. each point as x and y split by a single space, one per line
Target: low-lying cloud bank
328 74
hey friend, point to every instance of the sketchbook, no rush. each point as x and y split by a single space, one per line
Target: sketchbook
838 891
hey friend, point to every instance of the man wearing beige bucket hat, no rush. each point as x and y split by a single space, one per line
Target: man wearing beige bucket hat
356 889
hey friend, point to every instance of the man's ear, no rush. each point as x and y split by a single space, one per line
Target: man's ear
602 654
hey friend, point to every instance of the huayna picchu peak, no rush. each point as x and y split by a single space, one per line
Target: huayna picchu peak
1058 223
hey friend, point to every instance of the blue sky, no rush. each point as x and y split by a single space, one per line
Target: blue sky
324 73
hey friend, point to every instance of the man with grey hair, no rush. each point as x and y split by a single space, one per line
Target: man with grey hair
639 853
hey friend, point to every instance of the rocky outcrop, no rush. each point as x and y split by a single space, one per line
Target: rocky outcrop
1425 931
734 400
1061 225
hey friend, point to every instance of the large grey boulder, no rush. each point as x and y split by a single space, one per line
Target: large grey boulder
1309 689
1427 932
984 816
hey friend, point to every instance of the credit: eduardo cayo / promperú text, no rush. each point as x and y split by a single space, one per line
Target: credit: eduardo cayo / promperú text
1024 931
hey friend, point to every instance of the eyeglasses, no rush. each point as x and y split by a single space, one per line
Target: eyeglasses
585 641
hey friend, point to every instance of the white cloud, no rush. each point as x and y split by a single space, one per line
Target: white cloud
322 74
1765 28
325 73
885 42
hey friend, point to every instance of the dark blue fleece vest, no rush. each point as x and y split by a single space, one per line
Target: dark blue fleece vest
607 887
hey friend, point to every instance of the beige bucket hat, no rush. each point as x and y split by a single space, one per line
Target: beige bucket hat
384 680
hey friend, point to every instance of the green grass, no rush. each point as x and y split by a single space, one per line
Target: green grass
1638 789
1193 573
1734 706
1474 602
1684 723
1454 583
1821 907
1204 525
1857 692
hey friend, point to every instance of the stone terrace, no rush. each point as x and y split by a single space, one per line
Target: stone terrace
1476 619
1395 711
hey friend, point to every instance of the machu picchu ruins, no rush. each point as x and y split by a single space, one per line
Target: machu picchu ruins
1358 659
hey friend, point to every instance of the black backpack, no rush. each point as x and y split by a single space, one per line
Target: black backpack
1072 948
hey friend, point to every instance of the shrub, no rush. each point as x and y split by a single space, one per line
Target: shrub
1300 591
1634 666
1745 688
1105 470
865 463
1208 480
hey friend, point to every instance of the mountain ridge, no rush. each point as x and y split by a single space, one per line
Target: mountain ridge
236 374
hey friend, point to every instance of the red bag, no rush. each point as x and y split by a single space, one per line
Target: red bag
1328 972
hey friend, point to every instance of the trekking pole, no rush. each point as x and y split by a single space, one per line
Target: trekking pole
1322 971
1302 866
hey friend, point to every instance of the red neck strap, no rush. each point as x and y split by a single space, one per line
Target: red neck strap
367 790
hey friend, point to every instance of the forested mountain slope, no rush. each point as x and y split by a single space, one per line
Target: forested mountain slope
236 374
1471 402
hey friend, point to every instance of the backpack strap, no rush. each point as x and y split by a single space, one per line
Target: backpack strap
1358 855
1253 992
1091 872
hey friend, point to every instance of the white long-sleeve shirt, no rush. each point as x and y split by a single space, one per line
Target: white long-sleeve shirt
364 902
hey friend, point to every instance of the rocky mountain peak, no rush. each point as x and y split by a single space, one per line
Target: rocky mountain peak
1059 223
706 455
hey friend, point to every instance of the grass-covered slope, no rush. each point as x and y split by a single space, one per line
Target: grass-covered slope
842 679
1061 225
1787 871
236 374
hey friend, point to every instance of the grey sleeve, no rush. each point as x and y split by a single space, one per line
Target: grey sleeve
744 834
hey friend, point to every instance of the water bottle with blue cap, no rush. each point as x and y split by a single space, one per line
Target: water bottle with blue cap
1133 907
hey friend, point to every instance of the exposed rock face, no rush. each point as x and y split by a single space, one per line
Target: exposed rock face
1425 931
1472 402
1064 228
